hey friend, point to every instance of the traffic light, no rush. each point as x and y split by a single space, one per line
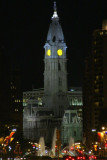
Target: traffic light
57 134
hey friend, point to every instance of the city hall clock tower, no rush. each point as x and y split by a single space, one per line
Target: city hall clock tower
55 72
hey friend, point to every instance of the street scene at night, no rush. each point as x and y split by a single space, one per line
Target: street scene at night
53 74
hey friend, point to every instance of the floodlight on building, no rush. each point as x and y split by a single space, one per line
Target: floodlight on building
93 130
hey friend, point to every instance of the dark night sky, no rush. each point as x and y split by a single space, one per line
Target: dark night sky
24 26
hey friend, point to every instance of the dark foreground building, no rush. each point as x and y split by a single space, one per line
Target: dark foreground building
95 85
4 89
11 108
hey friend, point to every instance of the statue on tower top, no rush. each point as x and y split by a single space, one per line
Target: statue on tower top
55 16
55 6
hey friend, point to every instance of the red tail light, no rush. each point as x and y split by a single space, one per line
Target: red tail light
83 158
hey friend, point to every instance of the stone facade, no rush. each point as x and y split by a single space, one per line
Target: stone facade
35 114
71 126
44 110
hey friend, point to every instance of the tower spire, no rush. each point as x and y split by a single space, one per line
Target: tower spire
55 16
55 6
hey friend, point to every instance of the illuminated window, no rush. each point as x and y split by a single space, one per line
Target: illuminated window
94 42
95 60
95 82
24 104
96 103
101 33
94 51
96 90
97 77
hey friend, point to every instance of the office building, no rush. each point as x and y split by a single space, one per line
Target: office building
95 84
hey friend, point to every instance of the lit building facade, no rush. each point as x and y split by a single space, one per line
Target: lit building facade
55 71
72 125
95 83
44 109
74 95
33 104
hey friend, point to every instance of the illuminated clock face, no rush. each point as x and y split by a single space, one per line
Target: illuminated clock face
59 52
48 52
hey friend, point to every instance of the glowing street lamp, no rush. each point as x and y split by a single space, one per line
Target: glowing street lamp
103 128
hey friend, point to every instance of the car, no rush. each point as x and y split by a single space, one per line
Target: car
90 157
81 157
67 157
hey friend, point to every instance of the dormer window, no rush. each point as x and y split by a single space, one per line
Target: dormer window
54 39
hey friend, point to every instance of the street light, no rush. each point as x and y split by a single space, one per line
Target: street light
103 128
